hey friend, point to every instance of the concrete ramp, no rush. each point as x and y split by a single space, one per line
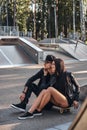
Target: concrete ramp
14 55
34 51
79 52
16 51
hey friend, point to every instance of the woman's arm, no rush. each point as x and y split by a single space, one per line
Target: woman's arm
77 88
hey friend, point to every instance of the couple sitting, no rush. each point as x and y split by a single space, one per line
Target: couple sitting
54 89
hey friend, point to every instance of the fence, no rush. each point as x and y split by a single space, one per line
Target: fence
25 34
9 31
13 31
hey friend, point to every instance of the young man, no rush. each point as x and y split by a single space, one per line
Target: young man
30 86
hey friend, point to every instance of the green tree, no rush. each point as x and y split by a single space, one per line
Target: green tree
22 13
44 16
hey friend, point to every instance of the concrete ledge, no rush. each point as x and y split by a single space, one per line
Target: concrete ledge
35 52
32 50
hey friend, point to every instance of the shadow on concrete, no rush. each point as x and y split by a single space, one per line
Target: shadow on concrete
8 120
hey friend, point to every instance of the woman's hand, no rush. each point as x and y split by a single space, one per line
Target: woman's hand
22 96
75 104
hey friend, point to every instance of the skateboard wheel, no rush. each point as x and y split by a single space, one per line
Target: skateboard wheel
68 110
61 111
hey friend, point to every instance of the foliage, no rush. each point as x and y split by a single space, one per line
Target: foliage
22 14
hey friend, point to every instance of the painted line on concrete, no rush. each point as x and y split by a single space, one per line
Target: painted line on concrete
6 57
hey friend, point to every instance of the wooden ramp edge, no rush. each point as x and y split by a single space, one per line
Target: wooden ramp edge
80 122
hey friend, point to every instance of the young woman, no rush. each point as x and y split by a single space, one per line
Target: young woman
60 94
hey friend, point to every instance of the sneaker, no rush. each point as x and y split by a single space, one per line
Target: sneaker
20 106
26 116
37 113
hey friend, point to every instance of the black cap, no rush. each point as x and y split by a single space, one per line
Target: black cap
49 58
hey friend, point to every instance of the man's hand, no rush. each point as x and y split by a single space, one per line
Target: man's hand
45 70
75 104
22 96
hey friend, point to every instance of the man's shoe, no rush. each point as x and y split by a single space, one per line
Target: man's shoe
26 116
37 113
20 106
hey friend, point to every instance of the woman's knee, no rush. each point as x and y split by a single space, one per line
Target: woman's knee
43 91
48 92
65 103
50 89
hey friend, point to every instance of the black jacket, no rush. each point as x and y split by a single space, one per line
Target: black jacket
68 85
43 80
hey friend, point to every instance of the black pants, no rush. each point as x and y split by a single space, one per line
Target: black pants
36 90
32 88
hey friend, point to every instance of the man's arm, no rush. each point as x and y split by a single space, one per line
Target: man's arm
38 75
33 78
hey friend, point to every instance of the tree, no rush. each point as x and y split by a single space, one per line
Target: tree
41 21
22 14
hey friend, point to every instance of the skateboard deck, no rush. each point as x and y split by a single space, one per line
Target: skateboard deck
64 110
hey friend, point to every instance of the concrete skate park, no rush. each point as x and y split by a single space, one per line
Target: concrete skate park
20 58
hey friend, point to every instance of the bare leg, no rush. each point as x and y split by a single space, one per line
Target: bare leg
53 96
46 98
37 102
57 98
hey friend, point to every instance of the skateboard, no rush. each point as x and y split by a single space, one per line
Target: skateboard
64 110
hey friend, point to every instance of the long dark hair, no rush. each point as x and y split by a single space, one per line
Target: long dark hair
60 67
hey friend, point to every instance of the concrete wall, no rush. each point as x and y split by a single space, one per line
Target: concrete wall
35 52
